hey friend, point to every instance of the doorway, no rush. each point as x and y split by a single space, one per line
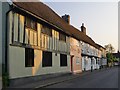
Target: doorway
71 63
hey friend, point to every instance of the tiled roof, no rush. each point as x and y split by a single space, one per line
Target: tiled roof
43 11
100 46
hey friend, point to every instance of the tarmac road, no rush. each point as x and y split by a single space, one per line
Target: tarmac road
107 78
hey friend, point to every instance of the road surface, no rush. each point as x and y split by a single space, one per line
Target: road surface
105 78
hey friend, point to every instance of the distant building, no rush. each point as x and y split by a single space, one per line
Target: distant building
102 55
76 59
117 56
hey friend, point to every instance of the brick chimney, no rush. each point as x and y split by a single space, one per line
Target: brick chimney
83 29
66 18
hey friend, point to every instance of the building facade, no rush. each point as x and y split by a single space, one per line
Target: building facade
39 42
34 47
75 53
89 57
102 56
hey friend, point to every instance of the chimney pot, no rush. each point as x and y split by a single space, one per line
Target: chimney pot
83 29
82 24
66 18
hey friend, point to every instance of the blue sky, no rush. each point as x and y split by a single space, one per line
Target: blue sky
100 18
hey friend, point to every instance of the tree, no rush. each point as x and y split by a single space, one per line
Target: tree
109 57
109 48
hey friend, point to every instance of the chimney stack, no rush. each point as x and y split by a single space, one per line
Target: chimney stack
83 29
118 51
66 18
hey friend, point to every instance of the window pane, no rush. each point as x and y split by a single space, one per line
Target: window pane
47 59
29 57
46 30
28 22
62 37
31 24
63 60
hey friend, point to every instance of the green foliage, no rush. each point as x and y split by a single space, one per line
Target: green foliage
5 79
115 59
111 58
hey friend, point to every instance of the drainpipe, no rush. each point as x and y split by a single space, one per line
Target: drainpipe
6 39
5 68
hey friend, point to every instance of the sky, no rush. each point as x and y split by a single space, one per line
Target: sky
100 18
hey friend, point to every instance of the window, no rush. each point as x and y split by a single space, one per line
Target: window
63 60
31 24
47 59
62 37
77 61
29 57
97 61
46 30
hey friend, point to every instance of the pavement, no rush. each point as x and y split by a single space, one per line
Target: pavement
47 82
56 80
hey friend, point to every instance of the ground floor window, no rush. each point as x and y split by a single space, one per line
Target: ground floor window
96 61
47 59
29 57
63 60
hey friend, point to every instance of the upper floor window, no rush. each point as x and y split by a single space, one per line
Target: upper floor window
31 23
62 37
46 30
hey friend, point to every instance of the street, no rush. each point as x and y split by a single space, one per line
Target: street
106 78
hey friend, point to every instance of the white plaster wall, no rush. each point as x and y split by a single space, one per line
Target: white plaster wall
88 65
97 65
94 64
17 67
83 63
104 61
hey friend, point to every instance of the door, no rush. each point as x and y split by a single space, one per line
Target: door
72 63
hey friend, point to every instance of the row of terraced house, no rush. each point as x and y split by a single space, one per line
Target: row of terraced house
36 42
